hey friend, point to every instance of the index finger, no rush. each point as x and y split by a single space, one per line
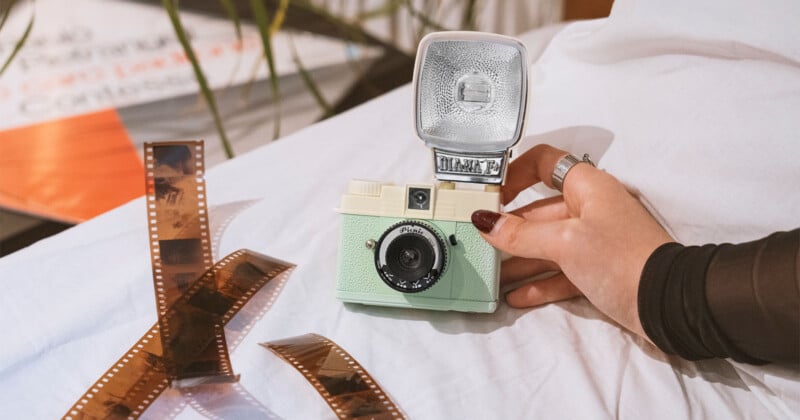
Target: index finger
529 168
538 163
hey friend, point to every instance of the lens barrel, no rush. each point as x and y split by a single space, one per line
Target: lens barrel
410 256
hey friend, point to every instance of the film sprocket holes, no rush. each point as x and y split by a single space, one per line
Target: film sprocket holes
185 351
414 245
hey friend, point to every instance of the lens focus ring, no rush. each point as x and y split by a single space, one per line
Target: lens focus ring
410 256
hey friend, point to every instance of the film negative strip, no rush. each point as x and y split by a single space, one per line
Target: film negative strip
191 334
338 377
127 388
196 300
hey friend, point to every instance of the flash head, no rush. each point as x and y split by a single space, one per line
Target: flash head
470 100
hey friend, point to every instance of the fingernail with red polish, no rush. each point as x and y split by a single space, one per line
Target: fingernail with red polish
485 220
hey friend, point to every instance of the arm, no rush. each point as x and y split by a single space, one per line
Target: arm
738 301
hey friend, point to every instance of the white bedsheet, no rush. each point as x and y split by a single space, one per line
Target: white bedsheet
694 107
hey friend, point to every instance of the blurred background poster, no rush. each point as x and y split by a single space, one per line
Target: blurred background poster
66 150
95 79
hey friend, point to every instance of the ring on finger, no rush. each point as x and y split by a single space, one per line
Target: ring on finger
563 167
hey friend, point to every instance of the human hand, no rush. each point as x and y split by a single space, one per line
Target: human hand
597 236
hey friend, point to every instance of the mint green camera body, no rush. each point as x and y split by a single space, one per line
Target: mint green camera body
469 281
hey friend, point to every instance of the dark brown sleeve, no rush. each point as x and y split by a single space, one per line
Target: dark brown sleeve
738 301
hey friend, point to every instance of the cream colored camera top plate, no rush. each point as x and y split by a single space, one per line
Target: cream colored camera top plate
376 198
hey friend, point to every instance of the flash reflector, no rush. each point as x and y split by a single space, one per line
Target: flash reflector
470 101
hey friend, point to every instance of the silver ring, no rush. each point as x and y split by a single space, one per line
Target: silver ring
564 165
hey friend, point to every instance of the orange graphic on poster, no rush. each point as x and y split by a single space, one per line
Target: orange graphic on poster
70 169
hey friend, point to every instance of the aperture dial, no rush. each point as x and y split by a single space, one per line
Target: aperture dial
410 256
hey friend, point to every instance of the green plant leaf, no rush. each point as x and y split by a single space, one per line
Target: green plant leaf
262 22
171 6
393 68
424 20
18 46
301 15
310 83
230 10
280 16
305 16
5 11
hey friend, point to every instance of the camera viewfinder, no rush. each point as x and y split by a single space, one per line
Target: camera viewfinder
419 198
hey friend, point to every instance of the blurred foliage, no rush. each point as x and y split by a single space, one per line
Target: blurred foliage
391 69
5 12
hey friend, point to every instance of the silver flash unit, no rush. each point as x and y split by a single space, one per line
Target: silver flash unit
471 94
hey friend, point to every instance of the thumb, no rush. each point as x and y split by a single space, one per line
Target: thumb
519 237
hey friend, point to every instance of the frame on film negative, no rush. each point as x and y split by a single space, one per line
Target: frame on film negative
187 347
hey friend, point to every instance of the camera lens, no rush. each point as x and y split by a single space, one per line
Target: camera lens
410 257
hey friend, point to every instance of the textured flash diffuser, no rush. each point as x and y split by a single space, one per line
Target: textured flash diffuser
470 91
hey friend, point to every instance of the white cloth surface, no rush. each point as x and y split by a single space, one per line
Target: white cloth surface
693 107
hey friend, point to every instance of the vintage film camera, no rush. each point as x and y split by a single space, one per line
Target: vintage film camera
415 246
